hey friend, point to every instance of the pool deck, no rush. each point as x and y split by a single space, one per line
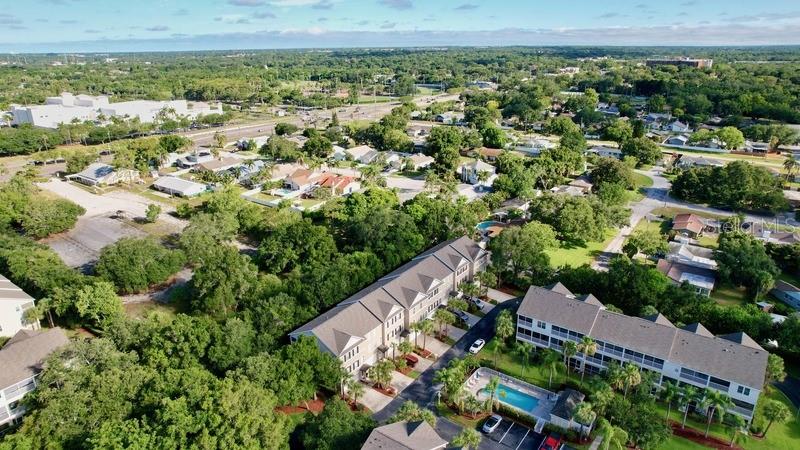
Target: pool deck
547 400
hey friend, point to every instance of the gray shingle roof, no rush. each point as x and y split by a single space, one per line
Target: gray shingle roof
734 357
348 322
10 291
417 435
22 356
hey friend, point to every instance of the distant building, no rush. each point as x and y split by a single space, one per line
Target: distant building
606 152
769 234
21 361
701 279
218 165
68 108
179 186
470 172
679 140
364 154
13 304
686 62
787 293
417 435
689 161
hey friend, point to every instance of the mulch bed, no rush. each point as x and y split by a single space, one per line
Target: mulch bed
387 391
423 353
314 406
699 438
405 370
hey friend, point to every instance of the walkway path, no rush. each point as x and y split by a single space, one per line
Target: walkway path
596 442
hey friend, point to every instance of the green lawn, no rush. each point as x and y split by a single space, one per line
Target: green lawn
789 278
679 443
642 180
512 364
727 295
576 256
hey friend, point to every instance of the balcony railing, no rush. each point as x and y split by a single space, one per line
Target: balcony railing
743 411
612 352
719 387
541 342
698 380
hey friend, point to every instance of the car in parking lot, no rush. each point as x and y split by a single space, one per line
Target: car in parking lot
478 302
477 346
552 442
461 315
492 423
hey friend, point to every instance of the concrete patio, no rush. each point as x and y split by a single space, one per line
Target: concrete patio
546 399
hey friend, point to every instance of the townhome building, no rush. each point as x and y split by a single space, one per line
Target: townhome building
733 363
362 329
21 361
13 304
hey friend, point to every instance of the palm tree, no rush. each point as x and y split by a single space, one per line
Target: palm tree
355 389
775 411
738 429
790 164
632 377
613 437
588 347
616 377
689 394
415 327
717 401
443 318
525 349
467 439
381 373
425 327
491 388
552 361
570 350
670 393
504 329
585 416
405 348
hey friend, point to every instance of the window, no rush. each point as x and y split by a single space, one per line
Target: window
526 321
541 324
743 390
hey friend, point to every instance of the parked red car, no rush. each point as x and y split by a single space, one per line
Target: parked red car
552 442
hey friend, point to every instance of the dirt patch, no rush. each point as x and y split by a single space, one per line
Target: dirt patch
699 438
385 391
314 406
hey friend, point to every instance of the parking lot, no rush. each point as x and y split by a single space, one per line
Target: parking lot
512 435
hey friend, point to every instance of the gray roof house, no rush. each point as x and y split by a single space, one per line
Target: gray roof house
787 293
179 186
418 435
360 329
21 361
733 363
99 174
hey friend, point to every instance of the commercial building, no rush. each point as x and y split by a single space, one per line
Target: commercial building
733 363
13 304
685 62
361 329
21 361
68 108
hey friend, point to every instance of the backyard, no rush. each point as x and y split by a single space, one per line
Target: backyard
575 256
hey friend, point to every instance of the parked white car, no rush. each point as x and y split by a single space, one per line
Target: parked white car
478 302
492 423
477 346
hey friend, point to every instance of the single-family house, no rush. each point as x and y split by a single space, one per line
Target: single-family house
606 152
99 174
607 109
701 279
471 173
535 146
420 161
302 180
770 234
688 224
405 435
21 360
218 165
364 154
339 153
583 184
179 187
679 140
338 184
362 329
756 147
13 304
691 255
688 161
193 159
787 293
733 364
655 120
678 127
450 118
489 154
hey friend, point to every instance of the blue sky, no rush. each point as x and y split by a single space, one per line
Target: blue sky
125 25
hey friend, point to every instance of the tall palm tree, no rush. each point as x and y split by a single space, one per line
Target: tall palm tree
689 394
717 402
355 389
504 329
525 349
632 377
790 165
616 377
426 328
738 429
670 393
613 437
570 350
491 388
552 361
588 347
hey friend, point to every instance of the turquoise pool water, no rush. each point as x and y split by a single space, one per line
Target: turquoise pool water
483 226
517 399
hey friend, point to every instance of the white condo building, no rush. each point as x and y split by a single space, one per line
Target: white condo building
67 108
733 363
13 304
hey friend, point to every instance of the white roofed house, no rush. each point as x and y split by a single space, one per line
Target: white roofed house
179 186
679 140
472 172
678 127
21 361
13 304
364 154
99 174
361 329
733 363
606 152
420 161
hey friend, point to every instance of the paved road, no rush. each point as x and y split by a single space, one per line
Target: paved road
657 196
421 390
791 387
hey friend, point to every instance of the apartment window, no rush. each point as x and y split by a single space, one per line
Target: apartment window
743 390
540 324
526 320
462 269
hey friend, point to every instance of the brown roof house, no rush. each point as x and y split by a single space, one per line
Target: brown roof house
690 225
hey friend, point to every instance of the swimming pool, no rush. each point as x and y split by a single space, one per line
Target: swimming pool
483 226
515 398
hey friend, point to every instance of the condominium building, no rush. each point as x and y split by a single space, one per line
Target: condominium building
68 108
21 361
734 363
13 304
361 330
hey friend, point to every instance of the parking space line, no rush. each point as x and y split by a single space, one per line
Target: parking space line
523 439
506 433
